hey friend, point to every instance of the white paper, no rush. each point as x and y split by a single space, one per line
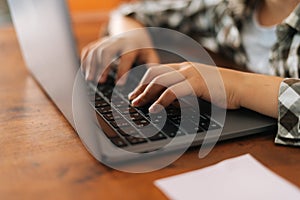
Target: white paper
237 178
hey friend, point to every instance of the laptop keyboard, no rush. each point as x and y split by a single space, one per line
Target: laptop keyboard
132 126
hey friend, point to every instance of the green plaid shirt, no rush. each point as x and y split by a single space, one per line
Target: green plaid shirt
217 25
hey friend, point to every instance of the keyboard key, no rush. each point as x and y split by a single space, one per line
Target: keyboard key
135 140
141 123
175 133
105 110
107 93
171 130
192 129
157 118
172 111
204 122
212 125
119 123
101 103
191 115
119 142
95 97
136 117
176 119
158 136
119 103
127 110
111 117
125 131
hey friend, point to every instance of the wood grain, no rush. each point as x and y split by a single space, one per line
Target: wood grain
41 156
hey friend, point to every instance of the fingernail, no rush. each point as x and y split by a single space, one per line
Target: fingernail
155 108
135 102
131 95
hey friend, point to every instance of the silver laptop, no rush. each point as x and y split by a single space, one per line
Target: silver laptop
47 43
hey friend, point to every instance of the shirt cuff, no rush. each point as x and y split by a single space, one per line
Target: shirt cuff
289 113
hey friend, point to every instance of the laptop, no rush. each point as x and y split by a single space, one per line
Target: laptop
112 130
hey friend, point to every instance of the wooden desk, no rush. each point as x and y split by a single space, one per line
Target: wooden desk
41 157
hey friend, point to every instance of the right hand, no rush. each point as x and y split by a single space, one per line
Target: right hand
161 85
98 57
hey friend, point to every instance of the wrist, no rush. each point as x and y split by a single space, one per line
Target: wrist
234 85
244 88
259 93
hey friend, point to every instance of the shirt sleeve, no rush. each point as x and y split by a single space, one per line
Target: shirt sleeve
289 113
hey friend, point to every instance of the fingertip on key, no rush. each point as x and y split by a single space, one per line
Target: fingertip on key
135 102
131 95
155 108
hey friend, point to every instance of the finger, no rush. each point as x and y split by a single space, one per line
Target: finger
151 74
169 95
84 56
148 77
103 62
102 76
102 65
136 92
126 62
97 56
93 64
156 86
150 93
86 49
89 56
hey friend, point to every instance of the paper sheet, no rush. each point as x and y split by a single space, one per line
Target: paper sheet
238 178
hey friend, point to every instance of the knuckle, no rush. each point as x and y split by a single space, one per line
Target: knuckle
150 71
187 65
157 80
148 75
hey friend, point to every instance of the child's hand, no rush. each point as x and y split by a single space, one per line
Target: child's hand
161 83
99 57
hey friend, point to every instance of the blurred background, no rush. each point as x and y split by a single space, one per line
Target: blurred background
89 8
93 5
4 13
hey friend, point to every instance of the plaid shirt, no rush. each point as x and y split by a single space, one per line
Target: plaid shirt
217 25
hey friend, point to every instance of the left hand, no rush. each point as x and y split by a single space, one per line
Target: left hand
165 83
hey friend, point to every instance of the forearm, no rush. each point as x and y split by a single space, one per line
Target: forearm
259 93
119 24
